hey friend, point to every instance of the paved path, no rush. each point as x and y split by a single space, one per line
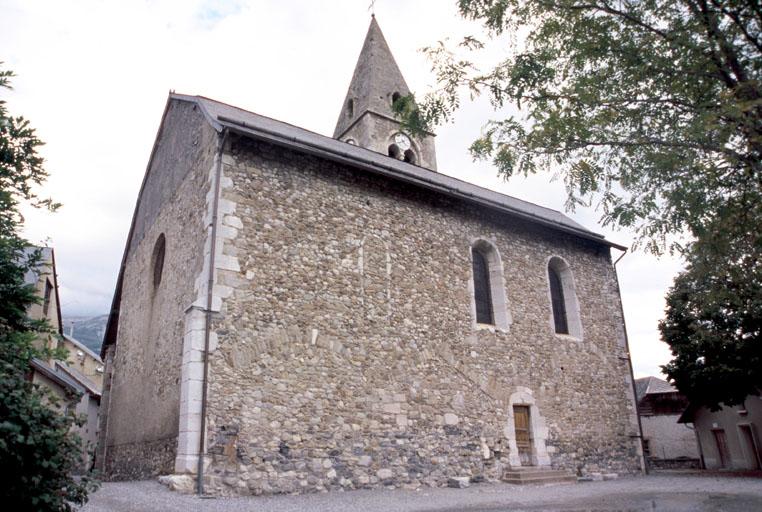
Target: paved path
657 493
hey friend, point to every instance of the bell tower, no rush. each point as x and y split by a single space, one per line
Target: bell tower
366 118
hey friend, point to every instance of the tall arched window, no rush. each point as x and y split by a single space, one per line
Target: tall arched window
482 292
489 301
563 299
557 302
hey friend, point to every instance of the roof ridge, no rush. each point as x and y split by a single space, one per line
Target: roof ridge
187 97
82 346
79 377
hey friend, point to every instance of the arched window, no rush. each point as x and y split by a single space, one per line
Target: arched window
158 260
563 299
395 97
350 107
394 151
490 305
557 302
482 292
410 156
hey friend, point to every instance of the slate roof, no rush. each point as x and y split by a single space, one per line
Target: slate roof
222 115
61 378
90 386
652 385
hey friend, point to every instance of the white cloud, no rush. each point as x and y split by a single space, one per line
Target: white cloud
93 77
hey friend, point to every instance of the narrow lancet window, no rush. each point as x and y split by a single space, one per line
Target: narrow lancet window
557 300
158 260
482 292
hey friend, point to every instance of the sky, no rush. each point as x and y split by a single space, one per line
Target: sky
93 78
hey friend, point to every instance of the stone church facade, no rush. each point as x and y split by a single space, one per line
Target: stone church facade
297 313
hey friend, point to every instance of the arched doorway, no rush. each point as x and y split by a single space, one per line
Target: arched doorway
526 431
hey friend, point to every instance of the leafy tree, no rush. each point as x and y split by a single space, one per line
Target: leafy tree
713 320
38 452
651 108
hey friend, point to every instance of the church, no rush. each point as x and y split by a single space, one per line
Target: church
300 313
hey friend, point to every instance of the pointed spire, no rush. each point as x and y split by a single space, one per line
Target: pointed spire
367 119
375 80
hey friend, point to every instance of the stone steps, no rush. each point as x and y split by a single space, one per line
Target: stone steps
537 475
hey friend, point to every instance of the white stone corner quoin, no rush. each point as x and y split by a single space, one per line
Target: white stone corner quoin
192 369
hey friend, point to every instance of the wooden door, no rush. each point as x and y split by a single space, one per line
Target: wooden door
722 447
750 446
523 437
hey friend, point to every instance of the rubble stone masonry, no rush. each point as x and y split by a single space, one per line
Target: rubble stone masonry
347 354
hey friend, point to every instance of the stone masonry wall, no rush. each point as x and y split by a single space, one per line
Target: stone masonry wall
348 355
144 395
669 439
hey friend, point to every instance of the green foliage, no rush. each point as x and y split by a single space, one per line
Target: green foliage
713 320
38 452
652 109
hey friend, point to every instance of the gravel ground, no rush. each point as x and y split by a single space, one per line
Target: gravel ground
660 493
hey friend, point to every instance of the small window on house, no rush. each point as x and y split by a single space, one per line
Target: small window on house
490 305
482 292
394 151
410 156
350 107
563 299
158 260
46 297
395 97
646 447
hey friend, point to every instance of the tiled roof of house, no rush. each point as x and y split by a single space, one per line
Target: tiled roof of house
82 347
80 378
652 385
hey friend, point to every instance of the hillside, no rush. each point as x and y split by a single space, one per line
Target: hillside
88 330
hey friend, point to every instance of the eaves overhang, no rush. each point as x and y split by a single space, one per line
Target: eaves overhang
223 116
394 172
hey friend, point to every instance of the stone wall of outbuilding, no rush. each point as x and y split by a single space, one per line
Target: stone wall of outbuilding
669 439
348 356
741 427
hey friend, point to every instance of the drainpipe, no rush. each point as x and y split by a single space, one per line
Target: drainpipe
209 297
629 363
